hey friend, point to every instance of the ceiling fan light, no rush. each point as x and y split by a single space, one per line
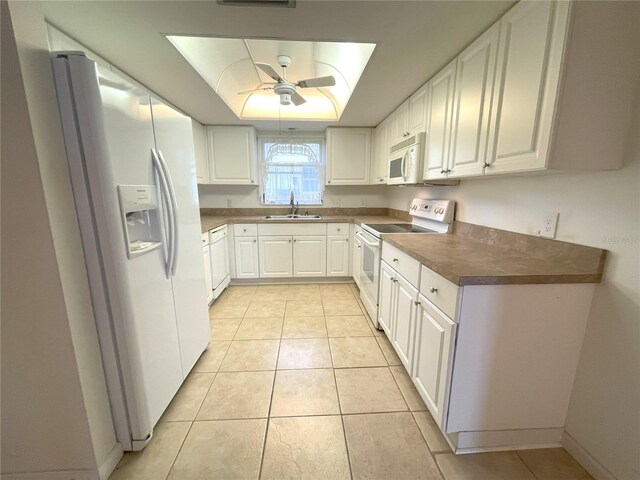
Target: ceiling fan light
285 99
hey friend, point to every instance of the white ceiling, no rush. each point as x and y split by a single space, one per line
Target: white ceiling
414 40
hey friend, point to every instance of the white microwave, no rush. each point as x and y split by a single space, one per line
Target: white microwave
405 161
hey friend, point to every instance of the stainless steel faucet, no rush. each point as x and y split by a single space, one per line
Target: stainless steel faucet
294 204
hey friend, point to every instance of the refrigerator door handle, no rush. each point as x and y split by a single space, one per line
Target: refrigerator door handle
174 211
168 205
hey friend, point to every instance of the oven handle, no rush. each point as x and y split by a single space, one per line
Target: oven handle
362 237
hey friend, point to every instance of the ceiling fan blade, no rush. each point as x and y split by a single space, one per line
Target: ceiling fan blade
269 70
297 99
264 86
328 81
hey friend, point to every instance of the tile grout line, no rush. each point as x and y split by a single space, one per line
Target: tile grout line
525 464
179 451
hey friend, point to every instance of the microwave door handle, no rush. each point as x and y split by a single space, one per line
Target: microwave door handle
403 167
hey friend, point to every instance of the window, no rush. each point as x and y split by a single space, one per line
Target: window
292 165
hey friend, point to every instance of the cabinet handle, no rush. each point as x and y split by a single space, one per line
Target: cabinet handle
443 171
394 280
338 229
417 302
433 290
244 230
381 179
328 181
347 240
486 165
255 241
358 246
290 240
395 260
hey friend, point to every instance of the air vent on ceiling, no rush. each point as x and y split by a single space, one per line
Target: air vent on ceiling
259 3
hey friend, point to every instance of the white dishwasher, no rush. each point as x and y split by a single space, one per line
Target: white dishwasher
219 253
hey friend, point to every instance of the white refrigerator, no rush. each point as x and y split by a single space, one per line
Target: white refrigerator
132 165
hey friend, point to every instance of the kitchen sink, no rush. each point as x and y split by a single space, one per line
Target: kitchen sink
292 217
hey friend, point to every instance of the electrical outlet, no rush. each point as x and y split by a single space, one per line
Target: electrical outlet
549 224
229 203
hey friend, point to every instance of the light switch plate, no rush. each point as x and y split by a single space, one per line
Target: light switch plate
549 224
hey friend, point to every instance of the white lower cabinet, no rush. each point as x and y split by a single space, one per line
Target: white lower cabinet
356 254
246 257
276 259
386 298
309 256
406 296
435 335
338 257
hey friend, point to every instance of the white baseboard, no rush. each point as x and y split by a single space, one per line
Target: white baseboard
110 462
584 458
53 475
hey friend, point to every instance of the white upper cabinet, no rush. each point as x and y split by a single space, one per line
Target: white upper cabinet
232 155
380 157
400 123
472 105
418 111
439 114
525 88
348 156
201 152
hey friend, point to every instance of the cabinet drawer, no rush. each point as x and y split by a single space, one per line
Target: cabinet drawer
338 229
292 229
440 291
205 239
245 230
402 263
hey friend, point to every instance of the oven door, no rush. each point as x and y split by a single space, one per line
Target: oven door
398 167
369 265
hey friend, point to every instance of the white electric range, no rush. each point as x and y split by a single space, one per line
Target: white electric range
429 217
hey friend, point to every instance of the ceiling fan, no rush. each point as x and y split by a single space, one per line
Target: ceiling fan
285 89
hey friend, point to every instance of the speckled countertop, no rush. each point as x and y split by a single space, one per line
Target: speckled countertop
476 255
473 254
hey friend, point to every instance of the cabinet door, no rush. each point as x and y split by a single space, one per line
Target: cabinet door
207 273
232 155
348 156
404 320
246 257
386 298
357 259
439 113
380 157
418 110
471 107
433 357
337 256
525 88
201 152
276 257
310 256
401 122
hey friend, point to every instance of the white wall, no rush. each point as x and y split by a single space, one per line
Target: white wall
600 209
55 409
217 196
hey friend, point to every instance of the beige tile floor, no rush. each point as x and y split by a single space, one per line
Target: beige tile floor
296 384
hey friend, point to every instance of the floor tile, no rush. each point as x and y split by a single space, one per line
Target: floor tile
155 460
386 446
246 355
348 326
553 464
212 357
340 306
304 353
304 308
305 448
483 466
224 449
230 309
304 292
387 350
271 293
266 309
336 290
259 328
408 390
304 392
238 395
239 291
304 327
186 403
431 432
224 328
374 330
356 352
366 390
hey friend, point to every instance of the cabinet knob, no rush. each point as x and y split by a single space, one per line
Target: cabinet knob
290 240
394 280
347 240
433 290
244 229
255 241
417 302
358 246
381 179
328 181
443 171
338 229
486 165
395 260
